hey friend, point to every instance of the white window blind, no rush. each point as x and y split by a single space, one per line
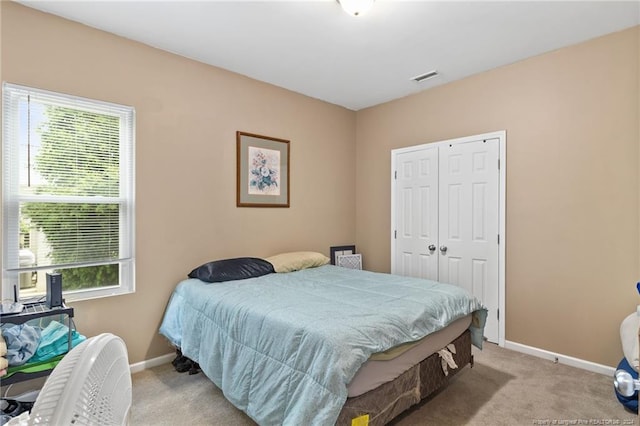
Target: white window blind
68 193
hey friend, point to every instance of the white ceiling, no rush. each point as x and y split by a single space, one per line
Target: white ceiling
314 48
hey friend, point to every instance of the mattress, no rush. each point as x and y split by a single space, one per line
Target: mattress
375 372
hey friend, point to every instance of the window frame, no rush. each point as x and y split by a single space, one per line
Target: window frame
11 197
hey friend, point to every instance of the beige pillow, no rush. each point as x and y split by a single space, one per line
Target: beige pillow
295 261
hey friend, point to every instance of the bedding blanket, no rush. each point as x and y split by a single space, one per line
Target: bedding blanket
283 347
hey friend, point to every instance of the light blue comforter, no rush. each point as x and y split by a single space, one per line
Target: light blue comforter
283 347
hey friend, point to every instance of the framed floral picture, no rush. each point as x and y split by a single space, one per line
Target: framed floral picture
262 171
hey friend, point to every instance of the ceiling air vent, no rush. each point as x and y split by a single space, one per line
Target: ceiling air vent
425 76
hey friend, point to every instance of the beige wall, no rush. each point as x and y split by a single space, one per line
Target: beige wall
572 243
573 192
187 115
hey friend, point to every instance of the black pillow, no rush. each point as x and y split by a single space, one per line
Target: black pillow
237 268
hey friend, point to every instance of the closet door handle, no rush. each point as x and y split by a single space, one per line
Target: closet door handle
443 249
432 247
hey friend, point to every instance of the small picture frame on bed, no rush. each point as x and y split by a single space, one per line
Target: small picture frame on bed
262 171
340 250
351 261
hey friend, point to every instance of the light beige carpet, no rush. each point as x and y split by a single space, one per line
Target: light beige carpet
503 388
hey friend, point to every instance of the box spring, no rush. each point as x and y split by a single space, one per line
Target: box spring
392 398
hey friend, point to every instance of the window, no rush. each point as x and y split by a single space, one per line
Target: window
67 194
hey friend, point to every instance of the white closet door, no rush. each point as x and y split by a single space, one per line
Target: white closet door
469 221
416 212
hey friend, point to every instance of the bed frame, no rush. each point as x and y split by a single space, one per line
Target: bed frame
387 401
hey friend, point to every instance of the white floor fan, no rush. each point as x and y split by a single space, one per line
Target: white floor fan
90 386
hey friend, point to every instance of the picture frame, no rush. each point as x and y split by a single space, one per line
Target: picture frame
350 261
336 251
262 171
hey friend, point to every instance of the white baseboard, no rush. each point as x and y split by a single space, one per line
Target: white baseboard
153 362
562 359
518 347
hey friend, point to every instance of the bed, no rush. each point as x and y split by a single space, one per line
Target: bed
321 344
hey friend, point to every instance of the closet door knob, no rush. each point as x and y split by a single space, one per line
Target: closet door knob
443 249
432 247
